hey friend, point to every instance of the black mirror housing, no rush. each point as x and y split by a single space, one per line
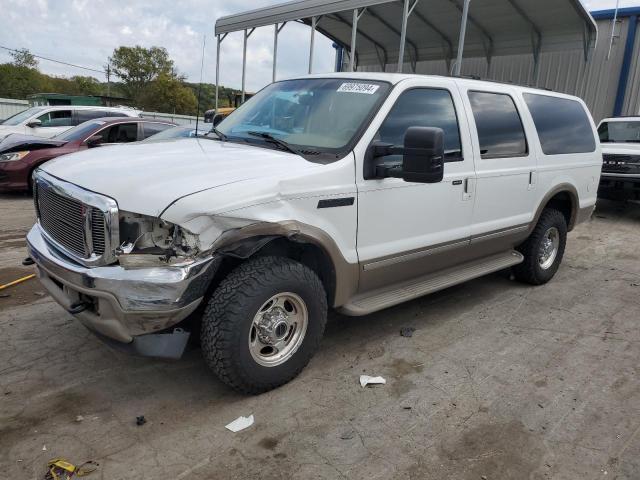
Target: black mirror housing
423 159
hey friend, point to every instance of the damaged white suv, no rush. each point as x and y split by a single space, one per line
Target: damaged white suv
348 191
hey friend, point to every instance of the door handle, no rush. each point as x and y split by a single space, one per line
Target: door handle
532 180
469 188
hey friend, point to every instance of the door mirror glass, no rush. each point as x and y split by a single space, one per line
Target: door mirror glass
423 156
34 123
94 141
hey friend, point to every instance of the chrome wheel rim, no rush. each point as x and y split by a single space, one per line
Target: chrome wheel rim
549 248
278 329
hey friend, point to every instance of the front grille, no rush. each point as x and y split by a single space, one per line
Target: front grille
97 231
613 163
63 219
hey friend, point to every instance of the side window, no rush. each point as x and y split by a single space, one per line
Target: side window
423 107
562 124
57 118
86 115
150 129
120 133
500 129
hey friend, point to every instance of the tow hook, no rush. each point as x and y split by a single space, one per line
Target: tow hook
78 307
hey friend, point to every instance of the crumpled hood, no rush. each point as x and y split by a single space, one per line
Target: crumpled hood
17 141
146 178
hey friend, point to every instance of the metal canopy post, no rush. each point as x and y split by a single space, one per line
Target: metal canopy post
220 38
314 24
403 34
354 32
275 48
463 33
247 34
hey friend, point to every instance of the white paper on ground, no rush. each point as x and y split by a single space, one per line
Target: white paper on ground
367 380
240 423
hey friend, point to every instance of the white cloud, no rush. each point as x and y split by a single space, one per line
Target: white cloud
86 33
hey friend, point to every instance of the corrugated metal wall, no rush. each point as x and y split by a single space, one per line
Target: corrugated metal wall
10 106
596 81
632 98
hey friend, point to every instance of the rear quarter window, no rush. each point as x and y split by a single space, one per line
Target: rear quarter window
563 124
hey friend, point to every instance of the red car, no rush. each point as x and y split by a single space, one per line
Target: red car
21 154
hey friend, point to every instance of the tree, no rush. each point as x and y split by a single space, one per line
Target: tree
137 67
168 94
24 58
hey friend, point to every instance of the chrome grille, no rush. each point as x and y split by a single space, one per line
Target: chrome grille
97 231
63 220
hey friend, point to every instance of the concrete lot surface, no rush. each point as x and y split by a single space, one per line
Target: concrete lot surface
499 381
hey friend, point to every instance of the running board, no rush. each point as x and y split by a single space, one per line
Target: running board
400 293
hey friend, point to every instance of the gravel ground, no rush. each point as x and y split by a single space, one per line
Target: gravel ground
498 381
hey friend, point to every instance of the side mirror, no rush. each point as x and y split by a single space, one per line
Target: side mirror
217 119
94 141
34 123
423 158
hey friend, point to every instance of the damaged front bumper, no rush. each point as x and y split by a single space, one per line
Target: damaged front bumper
125 307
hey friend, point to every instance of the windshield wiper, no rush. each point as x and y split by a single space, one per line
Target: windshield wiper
277 141
220 135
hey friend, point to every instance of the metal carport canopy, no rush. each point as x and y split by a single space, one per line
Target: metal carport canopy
495 27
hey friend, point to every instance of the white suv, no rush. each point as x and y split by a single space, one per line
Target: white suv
53 120
348 191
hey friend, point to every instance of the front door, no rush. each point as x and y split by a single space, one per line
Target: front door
53 123
406 229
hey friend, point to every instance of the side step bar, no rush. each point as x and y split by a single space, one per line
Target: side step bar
400 293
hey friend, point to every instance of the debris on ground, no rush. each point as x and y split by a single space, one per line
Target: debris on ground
140 420
79 418
28 261
635 284
348 434
407 331
5 295
240 423
60 469
367 380
44 448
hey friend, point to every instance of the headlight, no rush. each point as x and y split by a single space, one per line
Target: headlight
13 156
147 241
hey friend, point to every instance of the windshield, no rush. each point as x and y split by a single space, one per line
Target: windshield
313 115
620 132
80 132
18 118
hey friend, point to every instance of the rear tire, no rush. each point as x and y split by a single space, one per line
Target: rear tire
272 299
543 250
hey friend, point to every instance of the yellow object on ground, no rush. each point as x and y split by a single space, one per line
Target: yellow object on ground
16 282
60 469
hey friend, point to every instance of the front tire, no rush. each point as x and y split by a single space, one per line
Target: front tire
544 249
263 323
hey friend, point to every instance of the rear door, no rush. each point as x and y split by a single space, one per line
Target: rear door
506 166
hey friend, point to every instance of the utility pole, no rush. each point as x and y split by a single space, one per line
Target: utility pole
108 80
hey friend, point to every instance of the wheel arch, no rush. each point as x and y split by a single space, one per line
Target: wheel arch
564 198
301 242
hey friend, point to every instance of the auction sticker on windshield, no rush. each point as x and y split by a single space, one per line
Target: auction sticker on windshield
366 88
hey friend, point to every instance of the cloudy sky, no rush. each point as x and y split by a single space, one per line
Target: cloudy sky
85 32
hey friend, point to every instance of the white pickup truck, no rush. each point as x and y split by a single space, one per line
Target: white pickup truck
348 191
620 138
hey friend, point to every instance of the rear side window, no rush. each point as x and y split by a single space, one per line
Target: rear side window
562 124
500 129
85 115
153 128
